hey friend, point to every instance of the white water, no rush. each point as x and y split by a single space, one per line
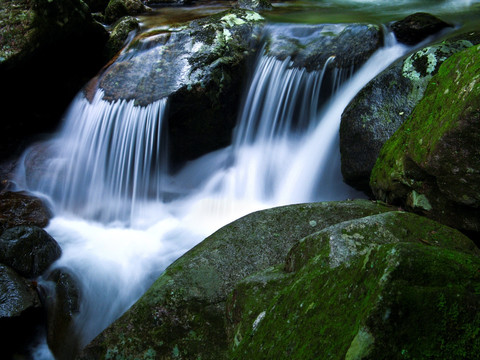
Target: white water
116 230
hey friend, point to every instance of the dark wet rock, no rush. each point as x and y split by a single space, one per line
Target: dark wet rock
255 5
120 33
16 295
29 250
62 302
184 311
431 165
43 43
417 27
385 103
117 9
383 286
97 6
200 67
20 208
20 313
311 46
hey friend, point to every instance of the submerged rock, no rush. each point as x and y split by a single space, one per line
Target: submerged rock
28 250
183 313
417 27
311 46
200 66
379 109
19 208
431 165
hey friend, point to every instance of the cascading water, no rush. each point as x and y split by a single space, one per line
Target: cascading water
107 179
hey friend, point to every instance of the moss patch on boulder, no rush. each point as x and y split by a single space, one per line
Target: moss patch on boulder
386 102
384 286
432 163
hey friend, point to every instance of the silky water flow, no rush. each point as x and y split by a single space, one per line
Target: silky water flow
106 178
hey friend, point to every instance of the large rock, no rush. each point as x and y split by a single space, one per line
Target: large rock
417 27
19 208
388 286
431 165
200 67
29 250
117 9
49 51
20 314
385 103
183 313
311 46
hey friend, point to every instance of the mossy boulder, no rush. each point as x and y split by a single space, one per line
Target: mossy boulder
19 208
200 66
431 165
379 109
183 314
388 286
417 27
120 34
117 9
315 46
49 49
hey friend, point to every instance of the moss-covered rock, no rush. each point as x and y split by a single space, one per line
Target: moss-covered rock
388 286
117 9
200 66
183 313
432 163
120 34
311 46
385 103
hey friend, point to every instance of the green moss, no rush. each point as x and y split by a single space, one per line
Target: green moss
374 304
436 142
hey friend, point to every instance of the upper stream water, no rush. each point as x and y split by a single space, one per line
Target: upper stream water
121 218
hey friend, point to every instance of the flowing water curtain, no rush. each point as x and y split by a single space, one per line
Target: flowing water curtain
111 158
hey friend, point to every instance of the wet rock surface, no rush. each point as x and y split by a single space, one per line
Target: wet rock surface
28 250
20 208
200 67
311 46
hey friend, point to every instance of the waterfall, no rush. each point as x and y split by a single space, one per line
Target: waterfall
106 176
